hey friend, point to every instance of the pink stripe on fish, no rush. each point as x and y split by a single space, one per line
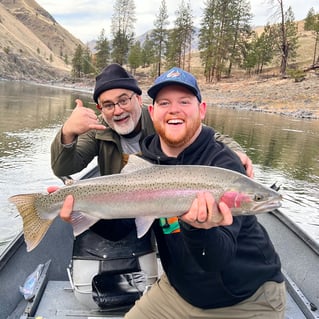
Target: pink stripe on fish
235 199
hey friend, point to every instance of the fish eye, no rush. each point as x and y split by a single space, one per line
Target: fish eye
258 197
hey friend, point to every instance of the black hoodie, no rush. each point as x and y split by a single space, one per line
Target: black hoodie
221 266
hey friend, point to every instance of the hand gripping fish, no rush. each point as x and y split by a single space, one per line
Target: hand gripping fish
143 191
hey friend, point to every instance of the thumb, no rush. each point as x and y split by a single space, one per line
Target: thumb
79 103
67 208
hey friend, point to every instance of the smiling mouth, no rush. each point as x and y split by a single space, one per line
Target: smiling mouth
120 119
175 121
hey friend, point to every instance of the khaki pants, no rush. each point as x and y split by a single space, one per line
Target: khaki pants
163 302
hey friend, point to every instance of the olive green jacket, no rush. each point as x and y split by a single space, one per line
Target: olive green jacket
106 145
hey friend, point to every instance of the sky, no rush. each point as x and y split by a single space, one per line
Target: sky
85 19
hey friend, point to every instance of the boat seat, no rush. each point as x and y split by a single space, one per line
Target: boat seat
114 291
112 274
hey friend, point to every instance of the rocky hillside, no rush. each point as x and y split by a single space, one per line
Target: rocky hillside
33 46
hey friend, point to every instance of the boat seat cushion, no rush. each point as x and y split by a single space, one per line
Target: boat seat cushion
115 291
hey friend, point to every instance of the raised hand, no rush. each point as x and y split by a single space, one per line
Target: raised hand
81 120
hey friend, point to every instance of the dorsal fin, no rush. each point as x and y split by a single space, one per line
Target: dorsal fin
135 163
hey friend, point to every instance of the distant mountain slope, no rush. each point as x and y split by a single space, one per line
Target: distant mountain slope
32 44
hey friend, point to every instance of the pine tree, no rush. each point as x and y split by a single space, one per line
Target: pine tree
286 31
259 51
135 56
77 62
224 31
159 35
180 38
239 31
312 24
87 66
148 52
123 21
173 54
102 56
265 49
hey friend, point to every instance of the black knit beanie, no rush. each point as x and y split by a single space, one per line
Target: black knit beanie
114 76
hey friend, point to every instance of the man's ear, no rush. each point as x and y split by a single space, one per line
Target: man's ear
140 100
202 110
151 110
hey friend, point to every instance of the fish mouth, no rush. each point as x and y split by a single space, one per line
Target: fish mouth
266 206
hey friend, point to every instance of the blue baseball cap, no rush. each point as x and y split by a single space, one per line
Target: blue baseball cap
175 76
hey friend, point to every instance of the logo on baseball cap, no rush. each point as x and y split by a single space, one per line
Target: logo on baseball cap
175 76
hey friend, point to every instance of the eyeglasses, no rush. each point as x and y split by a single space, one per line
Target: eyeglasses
122 103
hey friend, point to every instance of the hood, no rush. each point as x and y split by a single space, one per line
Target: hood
152 151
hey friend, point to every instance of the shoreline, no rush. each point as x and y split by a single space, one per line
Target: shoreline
283 97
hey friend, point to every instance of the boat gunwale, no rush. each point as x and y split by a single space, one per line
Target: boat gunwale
301 233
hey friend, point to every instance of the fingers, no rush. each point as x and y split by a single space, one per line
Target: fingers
52 189
99 127
191 216
81 120
79 103
88 116
226 213
205 203
67 208
249 168
246 161
205 213
248 165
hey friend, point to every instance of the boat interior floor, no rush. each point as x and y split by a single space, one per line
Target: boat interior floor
58 301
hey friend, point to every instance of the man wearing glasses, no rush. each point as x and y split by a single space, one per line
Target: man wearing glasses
118 130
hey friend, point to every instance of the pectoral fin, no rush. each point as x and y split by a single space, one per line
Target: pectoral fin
81 222
143 224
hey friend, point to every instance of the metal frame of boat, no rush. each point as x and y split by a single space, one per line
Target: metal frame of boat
54 296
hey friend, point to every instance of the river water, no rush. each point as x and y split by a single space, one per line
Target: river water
284 150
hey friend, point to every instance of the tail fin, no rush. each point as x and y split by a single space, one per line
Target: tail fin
34 227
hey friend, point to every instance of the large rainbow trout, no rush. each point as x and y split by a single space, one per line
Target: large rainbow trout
143 191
